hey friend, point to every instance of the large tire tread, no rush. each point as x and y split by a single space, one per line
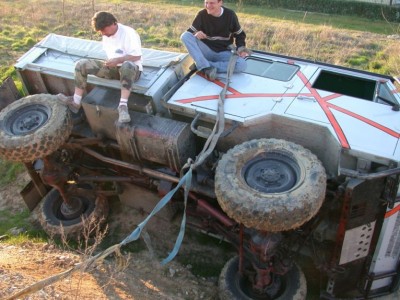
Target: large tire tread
271 212
44 140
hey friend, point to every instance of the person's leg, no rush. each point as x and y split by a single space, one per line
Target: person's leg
129 73
199 51
241 65
221 62
205 58
83 68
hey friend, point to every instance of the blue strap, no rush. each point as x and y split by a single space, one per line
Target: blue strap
187 179
179 239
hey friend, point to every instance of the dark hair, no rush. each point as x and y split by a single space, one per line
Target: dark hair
102 19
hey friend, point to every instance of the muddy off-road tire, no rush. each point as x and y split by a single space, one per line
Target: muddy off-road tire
94 213
33 127
270 184
233 286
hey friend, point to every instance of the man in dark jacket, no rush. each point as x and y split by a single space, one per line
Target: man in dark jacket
212 31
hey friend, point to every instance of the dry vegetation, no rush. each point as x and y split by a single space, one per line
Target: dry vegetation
26 22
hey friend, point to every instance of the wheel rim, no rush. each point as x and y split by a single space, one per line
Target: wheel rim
271 172
73 210
66 213
27 119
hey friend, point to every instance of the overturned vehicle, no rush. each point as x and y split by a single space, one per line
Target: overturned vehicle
290 159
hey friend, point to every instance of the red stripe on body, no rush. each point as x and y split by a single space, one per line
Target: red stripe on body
322 101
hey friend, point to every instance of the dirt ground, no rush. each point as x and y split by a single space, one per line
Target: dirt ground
138 276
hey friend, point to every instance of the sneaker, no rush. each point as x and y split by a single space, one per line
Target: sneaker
69 101
210 73
193 67
124 116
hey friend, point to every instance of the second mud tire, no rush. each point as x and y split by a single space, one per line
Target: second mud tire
233 286
94 213
33 127
270 184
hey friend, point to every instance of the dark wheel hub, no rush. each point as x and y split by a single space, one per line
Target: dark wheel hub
271 173
27 119
271 291
274 288
73 209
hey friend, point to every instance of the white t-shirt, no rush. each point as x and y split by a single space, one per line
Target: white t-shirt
126 41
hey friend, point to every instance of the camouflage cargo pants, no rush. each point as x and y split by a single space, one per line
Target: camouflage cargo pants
127 73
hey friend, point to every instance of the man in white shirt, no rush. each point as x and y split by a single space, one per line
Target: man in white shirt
124 62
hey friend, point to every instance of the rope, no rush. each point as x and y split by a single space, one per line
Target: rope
185 181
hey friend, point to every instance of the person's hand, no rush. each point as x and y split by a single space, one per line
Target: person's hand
200 35
112 62
243 52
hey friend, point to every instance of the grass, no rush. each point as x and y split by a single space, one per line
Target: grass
9 171
334 21
286 15
10 220
19 221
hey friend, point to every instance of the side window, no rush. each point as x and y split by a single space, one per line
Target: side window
385 95
271 69
346 85
384 92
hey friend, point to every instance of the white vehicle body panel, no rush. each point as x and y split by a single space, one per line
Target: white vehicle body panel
355 123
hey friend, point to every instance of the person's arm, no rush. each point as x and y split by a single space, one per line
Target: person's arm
238 33
240 37
119 60
131 46
197 26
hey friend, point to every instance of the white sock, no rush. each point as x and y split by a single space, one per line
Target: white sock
123 101
77 99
